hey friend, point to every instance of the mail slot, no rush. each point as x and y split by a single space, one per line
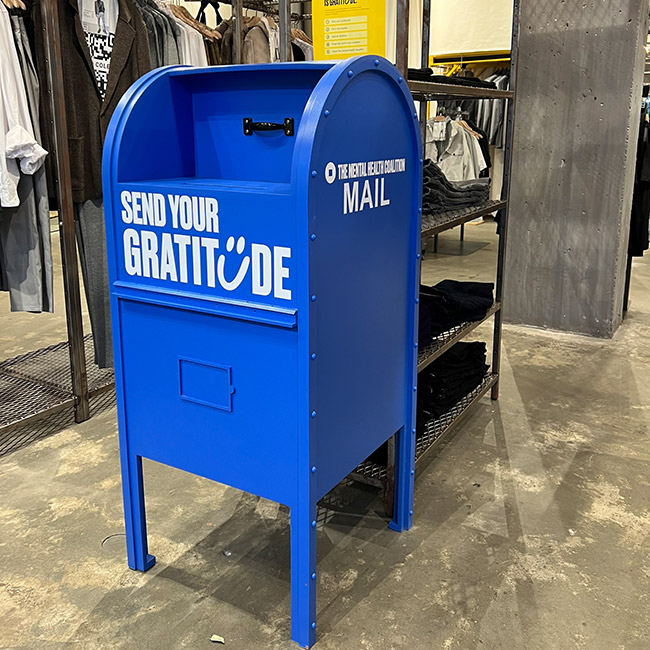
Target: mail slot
263 237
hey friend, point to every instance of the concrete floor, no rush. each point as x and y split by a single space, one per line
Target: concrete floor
532 522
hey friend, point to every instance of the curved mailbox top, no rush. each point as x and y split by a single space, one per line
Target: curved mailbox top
210 174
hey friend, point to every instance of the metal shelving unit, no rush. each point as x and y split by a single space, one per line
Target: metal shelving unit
27 391
431 91
444 341
378 473
434 224
436 429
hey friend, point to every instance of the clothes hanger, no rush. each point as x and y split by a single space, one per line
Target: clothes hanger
18 5
300 35
468 128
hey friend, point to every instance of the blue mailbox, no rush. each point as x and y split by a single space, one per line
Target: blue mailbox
263 238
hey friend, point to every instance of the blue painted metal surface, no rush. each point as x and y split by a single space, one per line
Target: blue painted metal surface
263 287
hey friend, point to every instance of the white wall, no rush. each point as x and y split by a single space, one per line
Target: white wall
470 25
415 31
457 26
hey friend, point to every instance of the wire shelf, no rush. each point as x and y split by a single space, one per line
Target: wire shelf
435 430
438 91
432 224
39 382
33 430
444 341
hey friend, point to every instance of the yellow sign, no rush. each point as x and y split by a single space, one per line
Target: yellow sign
345 28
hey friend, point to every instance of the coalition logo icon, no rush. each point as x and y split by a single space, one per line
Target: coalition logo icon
330 172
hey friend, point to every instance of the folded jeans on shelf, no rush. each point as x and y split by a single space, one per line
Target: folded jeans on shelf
440 194
449 378
443 384
451 303
426 74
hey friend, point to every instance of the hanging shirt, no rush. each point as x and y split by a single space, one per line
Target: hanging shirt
459 155
19 150
307 49
99 20
274 40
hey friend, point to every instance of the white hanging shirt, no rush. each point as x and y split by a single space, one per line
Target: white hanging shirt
459 155
19 150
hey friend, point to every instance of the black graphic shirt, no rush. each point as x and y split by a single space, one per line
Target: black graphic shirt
99 20
101 48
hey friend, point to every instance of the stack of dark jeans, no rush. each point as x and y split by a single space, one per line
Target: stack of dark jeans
450 303
440 194
426 74
448 379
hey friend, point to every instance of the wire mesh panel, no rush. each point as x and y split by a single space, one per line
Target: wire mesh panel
437 427
442 342
436 223
39 382
376 473
15 438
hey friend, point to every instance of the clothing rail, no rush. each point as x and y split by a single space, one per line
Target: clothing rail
38 393
71 283
279 8
271 7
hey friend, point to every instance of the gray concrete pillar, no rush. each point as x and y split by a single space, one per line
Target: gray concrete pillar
577 114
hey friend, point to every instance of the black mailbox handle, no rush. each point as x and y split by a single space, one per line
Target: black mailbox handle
286 126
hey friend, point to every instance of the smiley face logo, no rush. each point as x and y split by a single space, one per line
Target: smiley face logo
231 285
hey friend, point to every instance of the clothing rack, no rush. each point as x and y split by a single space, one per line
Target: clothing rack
63 376
269 7
383 474
279 8
37 383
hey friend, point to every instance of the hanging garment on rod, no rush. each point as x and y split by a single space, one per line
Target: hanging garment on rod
163 33
261 40
20 150
639 234
91 241
456 149
87 114
197 40
302 46
98 21
490 114
25 243
496 131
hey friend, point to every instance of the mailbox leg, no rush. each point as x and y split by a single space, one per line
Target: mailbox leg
134 515
303 576
404 475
